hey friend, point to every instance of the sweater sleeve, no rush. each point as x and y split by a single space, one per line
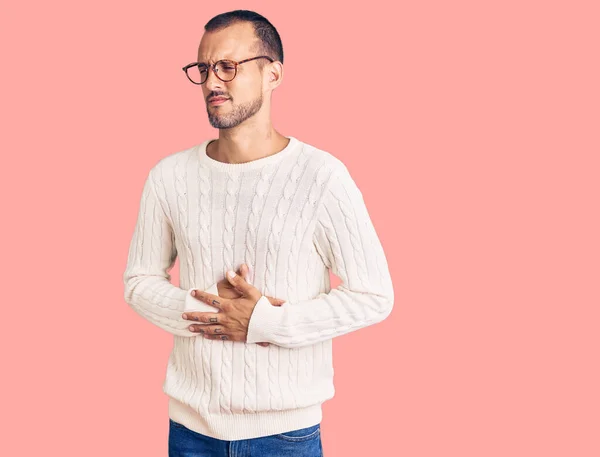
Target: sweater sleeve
348 244
152 253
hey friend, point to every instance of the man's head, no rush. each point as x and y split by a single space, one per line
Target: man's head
240 35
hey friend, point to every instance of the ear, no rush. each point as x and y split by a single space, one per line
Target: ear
276 73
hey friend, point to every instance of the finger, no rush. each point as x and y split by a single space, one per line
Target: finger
263 344
209 318
275 301
238 282
244 271
216 336
208 329
210 299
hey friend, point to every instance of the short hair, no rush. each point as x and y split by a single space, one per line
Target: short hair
269 41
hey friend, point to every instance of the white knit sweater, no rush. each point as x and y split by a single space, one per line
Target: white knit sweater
290 217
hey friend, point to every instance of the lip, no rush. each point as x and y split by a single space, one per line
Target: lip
217 101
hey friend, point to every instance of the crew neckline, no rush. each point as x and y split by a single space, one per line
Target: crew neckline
251 165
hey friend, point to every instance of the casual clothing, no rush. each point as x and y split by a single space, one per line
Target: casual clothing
290 217
304 442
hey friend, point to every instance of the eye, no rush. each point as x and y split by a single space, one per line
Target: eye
226 66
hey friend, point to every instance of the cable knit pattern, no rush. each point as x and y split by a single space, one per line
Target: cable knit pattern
203 224
291 217
250 375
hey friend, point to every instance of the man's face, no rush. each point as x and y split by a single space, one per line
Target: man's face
245 91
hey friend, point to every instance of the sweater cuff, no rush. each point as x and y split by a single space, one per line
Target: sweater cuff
264 321
193 304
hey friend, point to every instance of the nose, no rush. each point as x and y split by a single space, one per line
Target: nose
212 82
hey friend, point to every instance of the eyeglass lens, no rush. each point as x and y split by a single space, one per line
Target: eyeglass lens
199 73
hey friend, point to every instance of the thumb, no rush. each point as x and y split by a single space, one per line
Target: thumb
275 301
237 281
244 271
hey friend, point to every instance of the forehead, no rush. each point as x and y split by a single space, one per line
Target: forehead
234 42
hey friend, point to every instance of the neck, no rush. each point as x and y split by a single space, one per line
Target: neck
240 147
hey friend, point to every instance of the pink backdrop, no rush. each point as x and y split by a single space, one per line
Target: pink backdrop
476 149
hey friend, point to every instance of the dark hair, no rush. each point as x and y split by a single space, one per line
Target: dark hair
269 41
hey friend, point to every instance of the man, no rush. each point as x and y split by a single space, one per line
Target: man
249 371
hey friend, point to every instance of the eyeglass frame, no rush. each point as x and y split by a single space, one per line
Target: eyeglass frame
214 67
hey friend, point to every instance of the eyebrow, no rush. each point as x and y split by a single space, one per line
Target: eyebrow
225 58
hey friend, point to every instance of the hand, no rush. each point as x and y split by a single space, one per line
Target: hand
236 304
227 290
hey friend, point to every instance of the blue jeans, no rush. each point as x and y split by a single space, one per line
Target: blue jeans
304 442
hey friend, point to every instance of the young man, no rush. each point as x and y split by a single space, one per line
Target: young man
250 371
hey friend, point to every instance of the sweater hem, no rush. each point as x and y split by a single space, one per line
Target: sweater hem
244 426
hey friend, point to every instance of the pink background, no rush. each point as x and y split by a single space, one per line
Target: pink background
477 151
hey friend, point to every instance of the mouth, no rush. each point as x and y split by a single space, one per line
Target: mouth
217 101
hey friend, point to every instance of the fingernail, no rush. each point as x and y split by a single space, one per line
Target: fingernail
231 273
184 316
193 293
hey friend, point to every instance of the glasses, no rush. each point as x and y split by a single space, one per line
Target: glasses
225 70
